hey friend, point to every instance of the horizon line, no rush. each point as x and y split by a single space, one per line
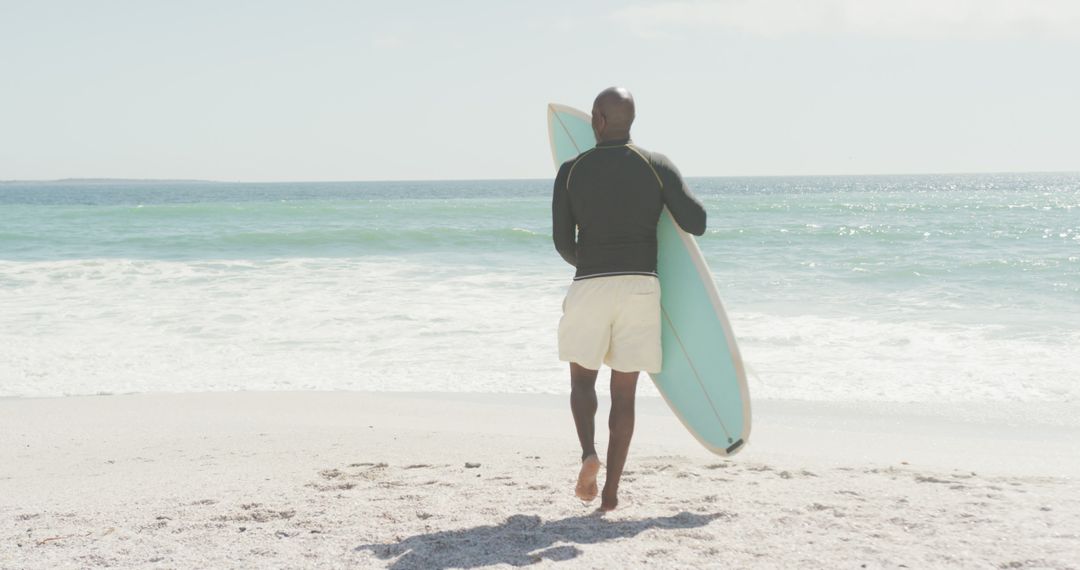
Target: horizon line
104 179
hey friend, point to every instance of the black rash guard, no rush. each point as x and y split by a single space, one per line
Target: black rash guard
612 196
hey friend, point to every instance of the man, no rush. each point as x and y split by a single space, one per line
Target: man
605 209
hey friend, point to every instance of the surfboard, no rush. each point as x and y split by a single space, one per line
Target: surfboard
703 379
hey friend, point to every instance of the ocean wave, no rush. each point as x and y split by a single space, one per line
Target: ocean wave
386 323
254 243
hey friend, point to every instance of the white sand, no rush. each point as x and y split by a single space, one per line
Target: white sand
345 479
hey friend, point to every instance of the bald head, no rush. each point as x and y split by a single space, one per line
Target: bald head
612 114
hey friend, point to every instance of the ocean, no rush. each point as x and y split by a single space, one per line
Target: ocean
936 288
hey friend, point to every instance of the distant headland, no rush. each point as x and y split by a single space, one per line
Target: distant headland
110 181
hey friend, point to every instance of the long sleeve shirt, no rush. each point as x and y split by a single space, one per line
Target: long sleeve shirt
607 203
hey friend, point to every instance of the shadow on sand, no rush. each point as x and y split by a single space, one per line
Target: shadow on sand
520 540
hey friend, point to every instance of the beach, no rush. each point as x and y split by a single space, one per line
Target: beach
427 480
287 284
365 375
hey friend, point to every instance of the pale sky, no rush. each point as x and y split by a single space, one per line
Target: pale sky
356 90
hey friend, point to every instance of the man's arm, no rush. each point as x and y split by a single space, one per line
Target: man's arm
563 227
685 208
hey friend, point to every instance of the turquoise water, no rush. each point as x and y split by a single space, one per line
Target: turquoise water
909 288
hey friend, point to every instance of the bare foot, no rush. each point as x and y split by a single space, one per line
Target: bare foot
586 489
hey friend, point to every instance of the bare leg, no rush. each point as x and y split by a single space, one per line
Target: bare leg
583 405
621 428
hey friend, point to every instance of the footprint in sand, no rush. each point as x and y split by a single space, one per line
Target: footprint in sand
344 486
255 512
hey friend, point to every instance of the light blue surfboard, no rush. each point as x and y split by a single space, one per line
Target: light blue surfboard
703 379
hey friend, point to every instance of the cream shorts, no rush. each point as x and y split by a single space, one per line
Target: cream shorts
613 320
